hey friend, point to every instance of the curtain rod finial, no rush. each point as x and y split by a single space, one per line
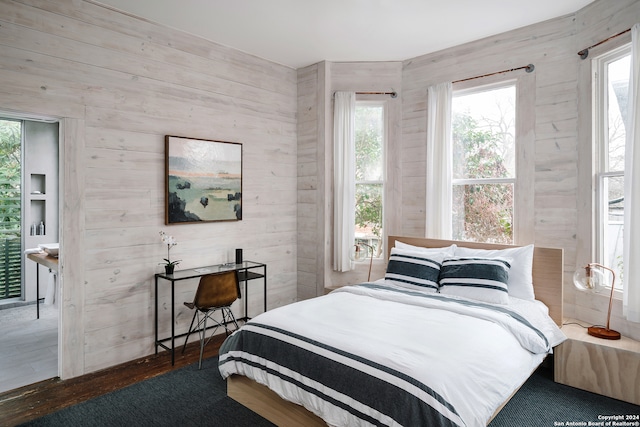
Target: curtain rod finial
529 68
584 53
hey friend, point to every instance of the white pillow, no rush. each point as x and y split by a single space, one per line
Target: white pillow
447 250
520 282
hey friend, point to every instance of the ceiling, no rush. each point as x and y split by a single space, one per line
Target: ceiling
297 33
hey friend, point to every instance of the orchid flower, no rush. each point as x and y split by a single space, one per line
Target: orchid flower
170 241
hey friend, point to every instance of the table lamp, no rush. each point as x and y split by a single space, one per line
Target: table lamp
357 255
589 278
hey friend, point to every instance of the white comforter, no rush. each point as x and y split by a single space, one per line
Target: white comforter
471 355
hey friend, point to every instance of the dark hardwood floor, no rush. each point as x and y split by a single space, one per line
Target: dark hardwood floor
33 401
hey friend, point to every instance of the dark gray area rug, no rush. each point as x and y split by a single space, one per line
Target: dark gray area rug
184 397
192 397
543 402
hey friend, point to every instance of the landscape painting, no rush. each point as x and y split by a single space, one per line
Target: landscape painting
203 180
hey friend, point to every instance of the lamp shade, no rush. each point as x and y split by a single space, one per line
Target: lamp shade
591 278
361 251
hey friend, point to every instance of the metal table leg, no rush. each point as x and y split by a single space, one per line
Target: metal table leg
37 291
156 315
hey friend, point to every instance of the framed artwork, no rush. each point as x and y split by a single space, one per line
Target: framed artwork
203 180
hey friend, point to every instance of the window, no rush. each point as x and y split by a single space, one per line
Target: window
611 82
370 143
484 163
10 210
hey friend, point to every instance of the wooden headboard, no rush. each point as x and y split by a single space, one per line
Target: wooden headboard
547 268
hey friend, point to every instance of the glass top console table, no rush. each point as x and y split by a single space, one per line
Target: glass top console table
248 270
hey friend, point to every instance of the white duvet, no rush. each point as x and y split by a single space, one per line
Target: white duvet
473 356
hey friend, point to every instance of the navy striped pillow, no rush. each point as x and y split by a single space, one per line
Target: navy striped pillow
414 270
483 279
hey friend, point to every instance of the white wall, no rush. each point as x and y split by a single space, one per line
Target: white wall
119 85
316 86
312 145
559 149
367 77
595 23
562 142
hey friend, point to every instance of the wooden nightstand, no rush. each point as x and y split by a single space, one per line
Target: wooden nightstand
607 367
328 289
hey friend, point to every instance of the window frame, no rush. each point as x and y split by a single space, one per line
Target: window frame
600 156
523 181
383 182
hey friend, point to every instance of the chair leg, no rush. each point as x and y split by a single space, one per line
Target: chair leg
231 319
234 319
227 316
190 330
202 337
224 321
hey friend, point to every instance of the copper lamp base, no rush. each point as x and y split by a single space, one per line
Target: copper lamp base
600 332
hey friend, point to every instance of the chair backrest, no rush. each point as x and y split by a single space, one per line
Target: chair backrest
217 290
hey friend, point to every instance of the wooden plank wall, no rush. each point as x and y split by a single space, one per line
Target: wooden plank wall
599 21
310 216
316 86
367 77
558 152
119 85
562 143
549 46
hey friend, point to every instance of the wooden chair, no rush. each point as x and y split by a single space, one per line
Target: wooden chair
216 292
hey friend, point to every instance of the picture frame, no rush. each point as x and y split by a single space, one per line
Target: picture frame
203 180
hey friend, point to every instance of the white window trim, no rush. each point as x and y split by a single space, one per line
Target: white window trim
385 143
523 181
600 132
473 181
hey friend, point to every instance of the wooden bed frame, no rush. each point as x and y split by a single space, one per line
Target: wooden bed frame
547 283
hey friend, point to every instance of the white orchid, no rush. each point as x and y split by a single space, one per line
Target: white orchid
170 241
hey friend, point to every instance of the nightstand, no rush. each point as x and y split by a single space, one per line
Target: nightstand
607 367
328 289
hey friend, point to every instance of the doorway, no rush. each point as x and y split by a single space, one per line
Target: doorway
29 206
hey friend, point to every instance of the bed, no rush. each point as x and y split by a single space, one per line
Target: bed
403 350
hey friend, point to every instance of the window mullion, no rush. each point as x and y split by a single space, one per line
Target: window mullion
474 181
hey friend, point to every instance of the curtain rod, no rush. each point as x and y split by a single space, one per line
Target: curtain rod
528 68
585 52
392 94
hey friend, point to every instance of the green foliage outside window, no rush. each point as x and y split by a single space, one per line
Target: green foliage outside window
10 215
482 212
10 191
369 170
369 207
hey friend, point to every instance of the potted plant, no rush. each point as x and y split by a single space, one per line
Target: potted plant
170 241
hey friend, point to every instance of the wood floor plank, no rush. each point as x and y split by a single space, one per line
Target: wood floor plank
33 401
